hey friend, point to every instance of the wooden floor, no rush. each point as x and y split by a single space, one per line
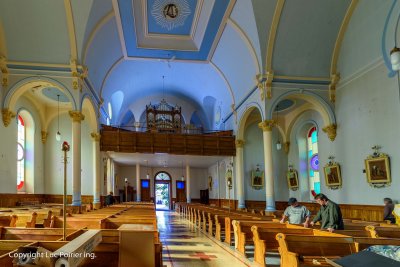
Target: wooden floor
185 245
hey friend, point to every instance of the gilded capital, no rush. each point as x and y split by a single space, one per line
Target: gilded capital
44 136
330 130
239 143
76 116
96 136
286 147
266 125
7 116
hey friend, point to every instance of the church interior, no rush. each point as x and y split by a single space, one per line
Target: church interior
185 132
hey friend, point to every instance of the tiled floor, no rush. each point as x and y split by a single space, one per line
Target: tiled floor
185 246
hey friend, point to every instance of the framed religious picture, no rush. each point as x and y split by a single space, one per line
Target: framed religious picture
378 169
210 183
333 178
292 179
257 178
228 177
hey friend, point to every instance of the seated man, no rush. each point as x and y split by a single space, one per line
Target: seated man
388 210
296 213
109 199
330 214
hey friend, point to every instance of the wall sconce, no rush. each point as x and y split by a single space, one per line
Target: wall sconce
395 58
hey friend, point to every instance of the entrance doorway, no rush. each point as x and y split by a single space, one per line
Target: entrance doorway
162 191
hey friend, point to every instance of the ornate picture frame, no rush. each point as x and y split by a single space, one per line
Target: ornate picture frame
378 170
228 177
210 182
333 177
257 178
292 179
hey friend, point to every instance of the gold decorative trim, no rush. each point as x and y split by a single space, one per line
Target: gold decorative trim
268 82
240 143
7 116
332 87
330 130
44 136
76 116
272 33
266 125
71 28
4 71
286 147
96 136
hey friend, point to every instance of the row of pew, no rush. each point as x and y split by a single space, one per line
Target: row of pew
297 245
41 228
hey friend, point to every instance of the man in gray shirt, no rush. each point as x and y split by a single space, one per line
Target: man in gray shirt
296 213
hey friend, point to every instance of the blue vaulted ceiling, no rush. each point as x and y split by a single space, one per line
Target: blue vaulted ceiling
127 16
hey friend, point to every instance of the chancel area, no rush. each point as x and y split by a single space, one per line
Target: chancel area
199 133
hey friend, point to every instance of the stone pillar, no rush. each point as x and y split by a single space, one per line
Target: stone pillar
96 170
240 174
188 198
77 118
138 193
266 126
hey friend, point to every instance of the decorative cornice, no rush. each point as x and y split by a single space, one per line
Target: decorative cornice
7 116
267 125
239 143
96 136
76 116
330 130
44 136
286 147
269 76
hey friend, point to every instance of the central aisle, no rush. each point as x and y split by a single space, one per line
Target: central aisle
185 246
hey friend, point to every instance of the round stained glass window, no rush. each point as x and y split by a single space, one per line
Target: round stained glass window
314 162
20 152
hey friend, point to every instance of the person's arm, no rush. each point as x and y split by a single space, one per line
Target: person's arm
317 217
308 217
285 215
333 218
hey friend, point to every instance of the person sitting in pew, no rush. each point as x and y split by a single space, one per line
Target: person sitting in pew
296 213
388 210
330 214
110 199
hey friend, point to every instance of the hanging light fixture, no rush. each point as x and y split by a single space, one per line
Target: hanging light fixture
395 58
147 167
182 177
58 135
278 144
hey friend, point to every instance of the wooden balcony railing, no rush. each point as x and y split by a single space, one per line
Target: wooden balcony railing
207 144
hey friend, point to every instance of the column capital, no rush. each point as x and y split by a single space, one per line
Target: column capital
239 143
44 136
330 130
96 136
76 116
266 125
7 116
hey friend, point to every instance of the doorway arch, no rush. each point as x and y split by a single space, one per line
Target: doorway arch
163 190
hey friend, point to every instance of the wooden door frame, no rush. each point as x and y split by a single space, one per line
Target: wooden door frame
169 182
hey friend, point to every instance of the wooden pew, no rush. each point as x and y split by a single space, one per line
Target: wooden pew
379 231
365 242
297 250
32 234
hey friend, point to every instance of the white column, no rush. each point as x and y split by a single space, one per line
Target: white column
240 174
266 126
77 118
109 185
96 170
188 198
138 193
137 126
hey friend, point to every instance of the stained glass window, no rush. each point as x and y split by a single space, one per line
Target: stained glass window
20 154
313 160
162 176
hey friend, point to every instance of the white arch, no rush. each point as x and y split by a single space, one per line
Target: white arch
245 116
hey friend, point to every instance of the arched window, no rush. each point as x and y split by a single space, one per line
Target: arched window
313 161
163 176
21 154
109 110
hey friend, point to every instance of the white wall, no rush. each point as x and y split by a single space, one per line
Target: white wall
217 171
368 110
